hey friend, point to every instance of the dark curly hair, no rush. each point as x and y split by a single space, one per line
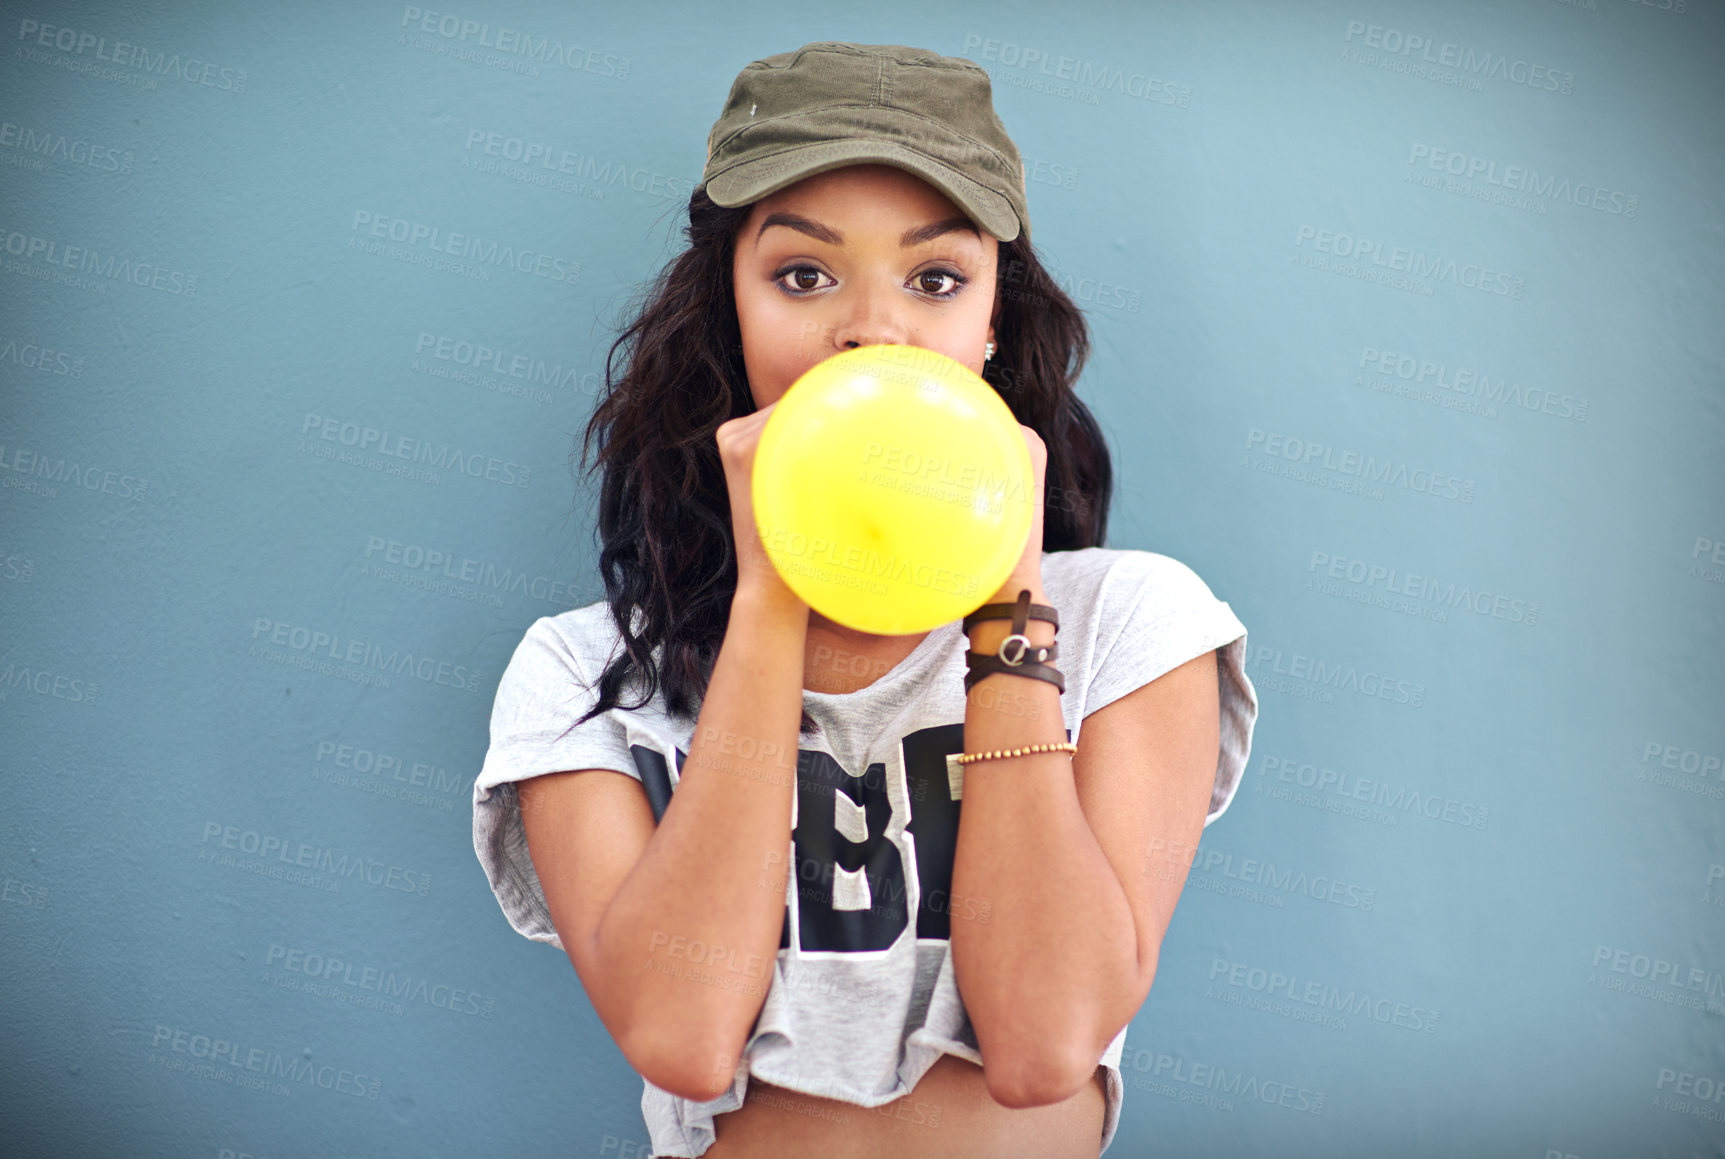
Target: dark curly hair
676 372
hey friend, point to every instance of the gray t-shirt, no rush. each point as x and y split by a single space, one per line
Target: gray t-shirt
863 998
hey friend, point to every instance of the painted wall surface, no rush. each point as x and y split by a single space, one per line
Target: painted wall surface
1469 899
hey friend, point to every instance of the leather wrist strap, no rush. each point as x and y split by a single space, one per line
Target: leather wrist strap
981 664
1016 655
1010 612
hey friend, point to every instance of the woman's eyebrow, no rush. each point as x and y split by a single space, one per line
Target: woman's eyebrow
915 235
919 234
803 225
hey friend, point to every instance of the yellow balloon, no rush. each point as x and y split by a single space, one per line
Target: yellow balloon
891 489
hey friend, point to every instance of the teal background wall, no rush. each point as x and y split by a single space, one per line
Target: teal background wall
1485 812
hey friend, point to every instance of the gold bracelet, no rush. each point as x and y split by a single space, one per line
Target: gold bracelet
1064 746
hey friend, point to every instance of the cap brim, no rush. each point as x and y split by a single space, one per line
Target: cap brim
752 180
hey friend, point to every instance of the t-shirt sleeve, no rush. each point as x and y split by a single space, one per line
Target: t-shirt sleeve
1156 614
542 692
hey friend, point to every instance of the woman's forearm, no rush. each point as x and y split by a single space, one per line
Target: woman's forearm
691 936
1058 950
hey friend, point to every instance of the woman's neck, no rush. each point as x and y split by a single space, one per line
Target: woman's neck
852 636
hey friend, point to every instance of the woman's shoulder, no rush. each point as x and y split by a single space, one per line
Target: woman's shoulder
1130 573
587 634
585 620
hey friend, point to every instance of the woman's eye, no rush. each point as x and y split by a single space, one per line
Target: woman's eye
802 279
930 282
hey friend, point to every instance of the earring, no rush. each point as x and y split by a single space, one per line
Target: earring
987 351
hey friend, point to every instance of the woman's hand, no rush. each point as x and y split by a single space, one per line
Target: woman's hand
1027 572
737 439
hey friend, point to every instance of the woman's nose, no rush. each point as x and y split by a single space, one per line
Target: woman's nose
874 319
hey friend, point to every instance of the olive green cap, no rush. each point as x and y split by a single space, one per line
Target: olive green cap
831 104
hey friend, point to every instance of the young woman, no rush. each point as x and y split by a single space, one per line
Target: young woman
758 869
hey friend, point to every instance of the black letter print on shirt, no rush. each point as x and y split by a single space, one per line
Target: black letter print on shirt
934 822
821 850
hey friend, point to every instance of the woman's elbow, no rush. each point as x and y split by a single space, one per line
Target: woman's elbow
1037 1078
675 1052
698 1072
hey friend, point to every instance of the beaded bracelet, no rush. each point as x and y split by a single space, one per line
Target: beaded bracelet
1064 746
